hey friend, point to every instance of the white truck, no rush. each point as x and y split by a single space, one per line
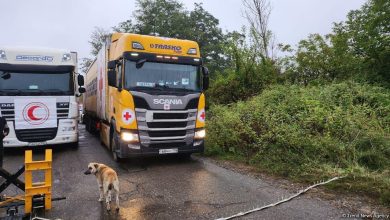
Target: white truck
38 90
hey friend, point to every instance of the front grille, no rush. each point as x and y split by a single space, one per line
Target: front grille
62 109
62 113
168 145
36 135
170 115
167 133
141 103
167 124
159 127
8 110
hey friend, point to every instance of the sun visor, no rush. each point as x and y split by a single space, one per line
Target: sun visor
35 68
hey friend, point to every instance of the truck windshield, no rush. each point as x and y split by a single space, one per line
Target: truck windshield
162 76
36 83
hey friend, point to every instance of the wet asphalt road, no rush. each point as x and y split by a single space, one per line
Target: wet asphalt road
164 188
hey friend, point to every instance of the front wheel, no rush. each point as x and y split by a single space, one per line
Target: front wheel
114 147
74 145
184 156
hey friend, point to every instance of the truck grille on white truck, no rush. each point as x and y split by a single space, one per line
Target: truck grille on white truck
8 110
35 135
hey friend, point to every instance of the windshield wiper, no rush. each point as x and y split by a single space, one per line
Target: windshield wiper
156 85
145 88
55 91
7 91
32 91
184 89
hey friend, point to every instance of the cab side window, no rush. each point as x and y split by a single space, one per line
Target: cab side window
119 75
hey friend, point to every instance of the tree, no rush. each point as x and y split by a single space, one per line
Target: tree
161 17
247 75
85 64
203 28
169 18
367 37
125 27
98 37
257 13
357 49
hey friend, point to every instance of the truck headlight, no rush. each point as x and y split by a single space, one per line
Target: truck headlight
66 57
129 137
2 55
201 134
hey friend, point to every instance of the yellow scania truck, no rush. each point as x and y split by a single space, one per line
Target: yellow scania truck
145 96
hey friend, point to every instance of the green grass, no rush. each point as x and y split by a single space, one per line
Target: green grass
311 133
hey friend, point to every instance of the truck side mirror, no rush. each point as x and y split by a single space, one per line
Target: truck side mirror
80 80
111 75
111 64
205 72
82 90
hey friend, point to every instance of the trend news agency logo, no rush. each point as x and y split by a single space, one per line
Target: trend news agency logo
36 113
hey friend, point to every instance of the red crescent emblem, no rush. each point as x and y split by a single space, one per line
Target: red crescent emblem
30 113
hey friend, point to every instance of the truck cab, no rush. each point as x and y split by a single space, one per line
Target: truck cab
38 89
155 102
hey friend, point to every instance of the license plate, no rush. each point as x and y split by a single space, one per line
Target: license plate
168 151
37 143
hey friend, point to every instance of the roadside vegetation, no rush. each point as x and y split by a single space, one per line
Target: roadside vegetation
310 133
308 111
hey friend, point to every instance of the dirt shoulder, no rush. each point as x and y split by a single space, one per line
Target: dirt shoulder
357 204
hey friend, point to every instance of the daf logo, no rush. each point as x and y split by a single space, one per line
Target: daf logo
167 101
7 105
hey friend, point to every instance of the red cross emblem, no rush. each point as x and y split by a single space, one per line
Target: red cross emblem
127 116
202 115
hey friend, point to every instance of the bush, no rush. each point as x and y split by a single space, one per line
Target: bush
308 132
236 85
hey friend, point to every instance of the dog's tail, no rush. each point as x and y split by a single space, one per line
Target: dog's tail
110 186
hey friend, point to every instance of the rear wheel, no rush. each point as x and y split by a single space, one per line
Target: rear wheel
88 124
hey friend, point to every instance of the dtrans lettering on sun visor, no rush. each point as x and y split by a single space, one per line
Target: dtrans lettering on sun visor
177 49
37 58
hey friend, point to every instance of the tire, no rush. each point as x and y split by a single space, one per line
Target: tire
184 156
101 140
74 145
87 124
113 146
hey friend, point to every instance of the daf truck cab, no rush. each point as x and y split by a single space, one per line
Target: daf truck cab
38 90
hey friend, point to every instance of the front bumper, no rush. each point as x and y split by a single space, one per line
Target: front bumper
130 150
64 135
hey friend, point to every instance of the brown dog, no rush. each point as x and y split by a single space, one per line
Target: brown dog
107 180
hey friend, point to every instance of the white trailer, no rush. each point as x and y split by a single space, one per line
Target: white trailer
38 90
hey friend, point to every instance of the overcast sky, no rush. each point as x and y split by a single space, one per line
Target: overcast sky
68 23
